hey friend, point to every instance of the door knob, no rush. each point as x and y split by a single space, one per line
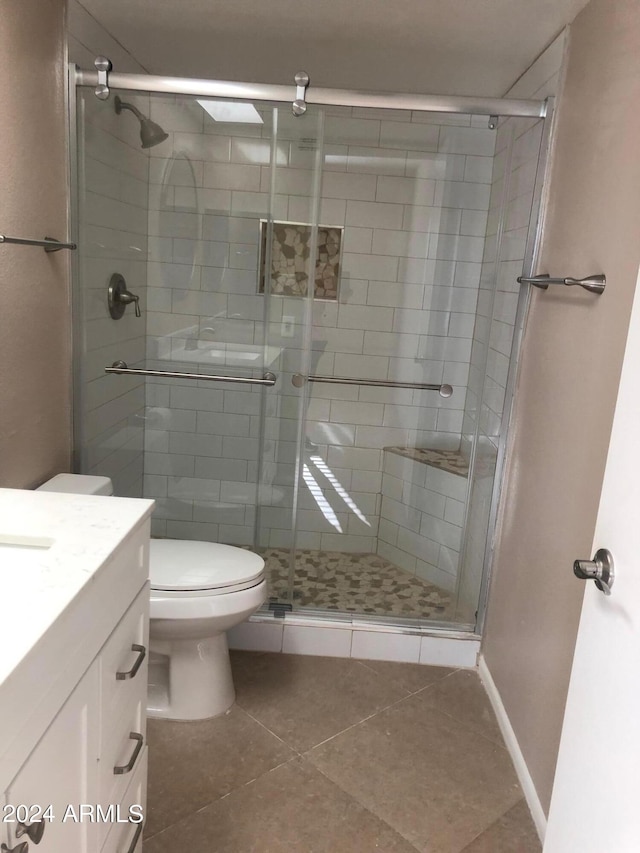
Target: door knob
600 570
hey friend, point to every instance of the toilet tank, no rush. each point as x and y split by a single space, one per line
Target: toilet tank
78 484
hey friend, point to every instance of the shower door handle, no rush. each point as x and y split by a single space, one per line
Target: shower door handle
298 380
268 379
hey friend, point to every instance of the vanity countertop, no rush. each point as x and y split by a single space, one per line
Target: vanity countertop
52 546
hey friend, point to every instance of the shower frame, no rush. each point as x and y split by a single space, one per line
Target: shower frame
494 108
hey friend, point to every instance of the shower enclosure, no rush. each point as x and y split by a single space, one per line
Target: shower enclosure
322 366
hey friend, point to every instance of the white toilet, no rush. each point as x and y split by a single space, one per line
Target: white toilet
198 591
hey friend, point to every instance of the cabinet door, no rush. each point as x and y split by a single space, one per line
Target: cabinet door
61 772
127 837
4 834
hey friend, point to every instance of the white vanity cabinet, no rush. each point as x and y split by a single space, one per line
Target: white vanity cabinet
61 770
77 706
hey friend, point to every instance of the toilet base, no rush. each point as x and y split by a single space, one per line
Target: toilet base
193 681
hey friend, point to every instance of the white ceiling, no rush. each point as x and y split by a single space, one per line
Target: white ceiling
472 47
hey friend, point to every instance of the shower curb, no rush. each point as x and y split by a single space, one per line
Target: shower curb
295 634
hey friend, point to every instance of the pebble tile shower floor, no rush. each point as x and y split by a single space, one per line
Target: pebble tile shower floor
353 583
334 755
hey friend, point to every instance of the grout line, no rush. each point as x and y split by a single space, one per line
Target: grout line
355 725
409 692
223 797
501 744
267 729
251 781
366 808
493 823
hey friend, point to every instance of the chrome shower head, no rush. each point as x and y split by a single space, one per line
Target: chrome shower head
150 133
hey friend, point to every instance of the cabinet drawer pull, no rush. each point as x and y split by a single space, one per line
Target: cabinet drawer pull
120 770
131 673
136 837
35 830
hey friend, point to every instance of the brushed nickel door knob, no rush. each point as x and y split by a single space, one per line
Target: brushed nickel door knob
600 570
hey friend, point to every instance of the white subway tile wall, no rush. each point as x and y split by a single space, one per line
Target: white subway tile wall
413 197
110 410
421 519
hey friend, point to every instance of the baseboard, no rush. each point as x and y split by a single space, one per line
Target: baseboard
511 742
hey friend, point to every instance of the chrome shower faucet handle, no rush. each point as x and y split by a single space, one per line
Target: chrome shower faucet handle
118 297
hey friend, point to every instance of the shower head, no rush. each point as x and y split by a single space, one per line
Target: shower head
150 133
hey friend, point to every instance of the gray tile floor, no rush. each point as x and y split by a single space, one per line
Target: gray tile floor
330 755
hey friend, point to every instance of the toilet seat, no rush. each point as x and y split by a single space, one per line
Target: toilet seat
182 568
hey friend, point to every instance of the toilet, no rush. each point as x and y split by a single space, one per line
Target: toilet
199 590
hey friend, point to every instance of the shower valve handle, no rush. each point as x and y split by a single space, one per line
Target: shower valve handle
127 297
118 297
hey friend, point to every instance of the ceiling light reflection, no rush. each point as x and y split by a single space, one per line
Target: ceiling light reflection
319 498
322 466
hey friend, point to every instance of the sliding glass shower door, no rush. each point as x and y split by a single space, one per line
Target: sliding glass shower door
322 347
372 479
181 221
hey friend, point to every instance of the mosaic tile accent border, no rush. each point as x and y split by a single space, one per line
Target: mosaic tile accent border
290 250
353 583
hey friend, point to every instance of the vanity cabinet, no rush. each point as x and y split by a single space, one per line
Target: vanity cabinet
61 772
89 766
82 756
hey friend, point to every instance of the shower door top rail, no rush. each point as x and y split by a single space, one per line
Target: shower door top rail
444 390
121 367
202 88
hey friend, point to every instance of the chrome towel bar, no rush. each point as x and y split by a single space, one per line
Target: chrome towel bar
49 244
298 380
592 283
121 367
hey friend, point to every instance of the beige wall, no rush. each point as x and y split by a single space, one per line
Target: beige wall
35 360
568 379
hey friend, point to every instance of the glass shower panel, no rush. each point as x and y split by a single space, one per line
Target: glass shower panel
209 190
207 187
113 180
383 480
512 217
376 246
289 276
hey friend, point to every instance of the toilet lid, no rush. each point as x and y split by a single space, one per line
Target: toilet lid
182 565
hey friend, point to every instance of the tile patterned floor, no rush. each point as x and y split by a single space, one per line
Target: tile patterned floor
328 755
354 583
